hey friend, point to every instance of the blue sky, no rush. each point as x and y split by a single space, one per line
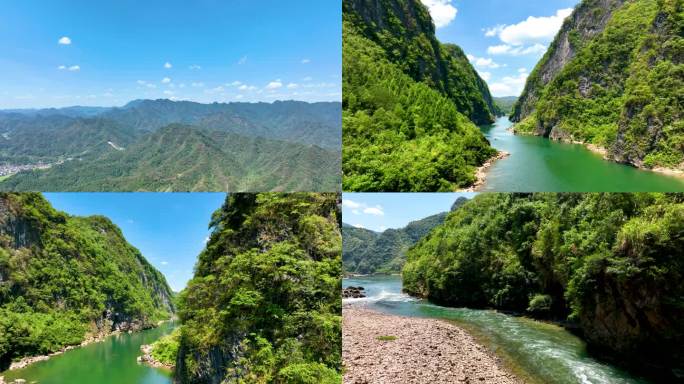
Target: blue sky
85 52
169 229
504 39
381 211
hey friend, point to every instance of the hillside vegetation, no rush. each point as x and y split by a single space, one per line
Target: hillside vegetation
264 303
64 278
613 77
368 252
611 264
399 134
160 145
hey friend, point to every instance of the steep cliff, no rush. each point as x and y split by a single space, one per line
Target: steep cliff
613 77
612 264
405 31
264 304
64 278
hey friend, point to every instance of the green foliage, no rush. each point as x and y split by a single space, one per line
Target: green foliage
368 252
622 89
178 146
386 338
504 105
405 32
62 277
398 134
165 350
265 297
612 263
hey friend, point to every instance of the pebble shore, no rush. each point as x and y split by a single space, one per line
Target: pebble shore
424 351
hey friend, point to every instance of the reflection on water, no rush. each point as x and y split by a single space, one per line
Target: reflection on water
537 164
112 361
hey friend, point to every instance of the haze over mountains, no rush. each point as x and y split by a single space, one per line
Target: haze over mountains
175 145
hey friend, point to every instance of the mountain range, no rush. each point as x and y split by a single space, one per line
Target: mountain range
160 145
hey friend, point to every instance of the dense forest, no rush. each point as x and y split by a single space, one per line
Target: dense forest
65 278
264 303
504 105
160 145
613 77
367 252
408 102
611 265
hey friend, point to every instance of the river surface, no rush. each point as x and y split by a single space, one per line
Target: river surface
542 165
539 352
112 361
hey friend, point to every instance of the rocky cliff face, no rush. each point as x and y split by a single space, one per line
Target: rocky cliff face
404 29
588 20
80 268
613 78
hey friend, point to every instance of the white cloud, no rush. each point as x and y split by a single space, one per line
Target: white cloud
61 67
359 226
292 85
166 80
491 32
375 211
194 67
509 85
483 62
274 85
306 61
167 92
197 85
534 29
522 70
308 78
245 87
64 41
506 49
164 263
242 60
235 84
382 227
74 68
351 204
485 75
442 11
168 65
239 96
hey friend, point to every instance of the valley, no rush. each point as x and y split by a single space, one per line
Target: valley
161 145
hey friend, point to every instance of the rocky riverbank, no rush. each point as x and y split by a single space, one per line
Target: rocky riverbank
380 348
481 173
148 359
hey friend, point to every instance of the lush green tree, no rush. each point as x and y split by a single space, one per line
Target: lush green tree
610 263
264 305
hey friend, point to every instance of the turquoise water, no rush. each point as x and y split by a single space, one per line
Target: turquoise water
541 352
112 361
537 164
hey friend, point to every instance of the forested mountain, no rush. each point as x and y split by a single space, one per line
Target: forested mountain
611 264
264 304
613 77
405 32
185 158
136 147
64 278
504 105
368 252
405 102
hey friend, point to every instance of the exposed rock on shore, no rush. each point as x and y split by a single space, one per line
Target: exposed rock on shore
147 358
353 293
380 348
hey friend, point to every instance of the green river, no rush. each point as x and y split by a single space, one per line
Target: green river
543 165
112 361
539 352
